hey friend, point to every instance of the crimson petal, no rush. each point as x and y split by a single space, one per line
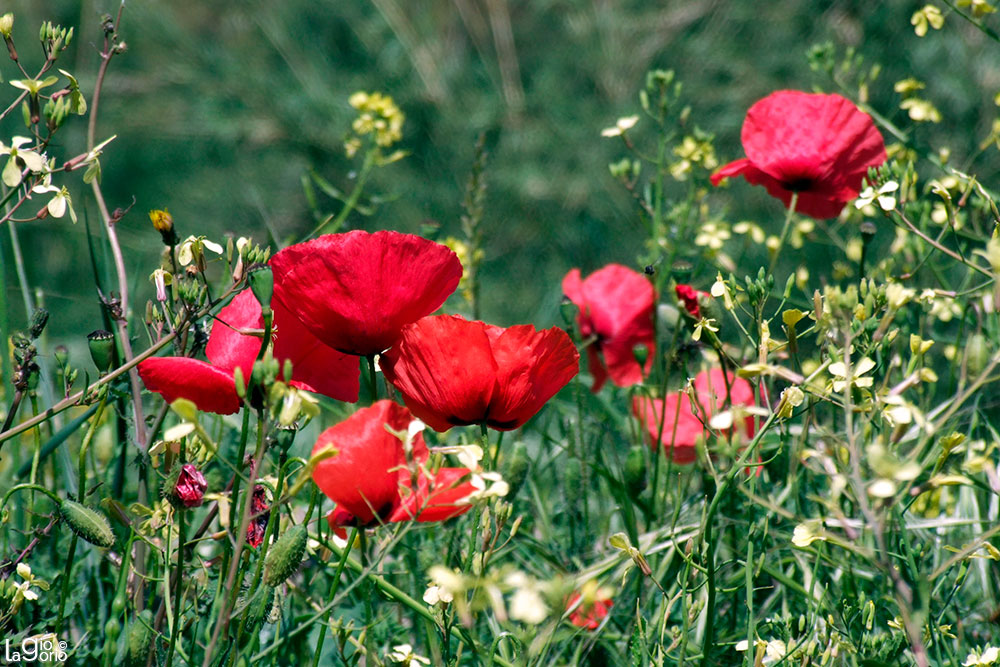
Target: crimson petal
355 291
363 477
210 388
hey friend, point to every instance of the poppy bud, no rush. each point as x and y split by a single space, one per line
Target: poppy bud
568 311
140 640
516 468
102 349
262 284
635 471
285 556
641 354
38 322
61 354
188 488
87 523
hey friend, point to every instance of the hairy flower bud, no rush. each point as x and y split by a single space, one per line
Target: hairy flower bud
89 524
285 555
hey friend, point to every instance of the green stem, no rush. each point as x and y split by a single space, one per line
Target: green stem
67 575
178 579
709 540
785 229
372 378
352 199
332 593
87 438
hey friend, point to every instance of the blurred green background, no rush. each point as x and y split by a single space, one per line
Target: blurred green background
221 107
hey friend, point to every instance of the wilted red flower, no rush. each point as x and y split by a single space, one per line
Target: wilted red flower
689 297
370 478
453 372
211 386
819 146
590 615
355 291
616 305
189 489
677 424
259 516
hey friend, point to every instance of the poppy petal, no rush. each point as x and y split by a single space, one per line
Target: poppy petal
228 349
315 367
444 368
363 476
438 497
355 291
671 423
532 366
208 387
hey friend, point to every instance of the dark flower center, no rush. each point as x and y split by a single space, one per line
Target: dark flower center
798 184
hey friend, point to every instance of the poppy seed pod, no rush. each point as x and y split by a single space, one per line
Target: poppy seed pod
261 284
102 349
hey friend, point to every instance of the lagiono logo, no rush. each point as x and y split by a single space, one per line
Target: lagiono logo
38 648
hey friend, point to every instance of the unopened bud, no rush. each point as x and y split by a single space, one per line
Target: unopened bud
641 354
7 25
635 471
568 310
87 523
285 555
140 640
38 322
515 471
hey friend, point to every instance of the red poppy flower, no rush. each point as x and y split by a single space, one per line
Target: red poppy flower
315 367
590 615
355 291
689 297
819 146
370 478
673 422
616 305
189 489
453 372
677 424
259 515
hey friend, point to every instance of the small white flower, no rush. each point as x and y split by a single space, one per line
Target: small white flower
403 654
435 594
854 377
622 125
34 161
886 200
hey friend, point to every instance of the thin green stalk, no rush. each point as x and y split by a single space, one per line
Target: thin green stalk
352 199
785 229
67 576
331 594
87 438
178 579
708 538
372 378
